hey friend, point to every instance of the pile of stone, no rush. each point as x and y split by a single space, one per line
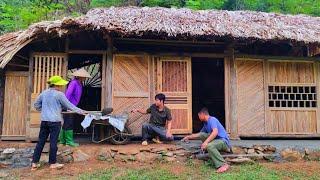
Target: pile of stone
296 155
15 158
144 154
242 154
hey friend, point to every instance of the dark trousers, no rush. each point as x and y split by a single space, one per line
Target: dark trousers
150 131
47 128
68 121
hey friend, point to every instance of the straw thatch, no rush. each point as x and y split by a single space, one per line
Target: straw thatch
173 24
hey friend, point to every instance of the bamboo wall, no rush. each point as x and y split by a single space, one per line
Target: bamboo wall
15 106
277 97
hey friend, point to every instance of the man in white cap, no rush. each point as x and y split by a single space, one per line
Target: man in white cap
73 94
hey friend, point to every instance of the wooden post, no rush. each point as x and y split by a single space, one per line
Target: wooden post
2 84
30 90
233 93
109 70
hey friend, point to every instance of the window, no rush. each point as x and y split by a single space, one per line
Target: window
292 96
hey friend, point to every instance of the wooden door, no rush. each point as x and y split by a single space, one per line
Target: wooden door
174 80
131 88
15 106
45 65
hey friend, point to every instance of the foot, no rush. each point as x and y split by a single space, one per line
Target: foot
35 166
156 140
56 166
144 143
223 168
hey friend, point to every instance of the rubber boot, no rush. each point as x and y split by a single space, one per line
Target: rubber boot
69 138
62 139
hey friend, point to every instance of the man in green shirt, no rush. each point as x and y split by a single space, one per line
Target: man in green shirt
156 128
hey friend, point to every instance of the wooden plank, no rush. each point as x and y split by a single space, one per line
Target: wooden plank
2 89
317 77
227 93
109 72
31 80
278 58
131 94
103 79
233 94
266 96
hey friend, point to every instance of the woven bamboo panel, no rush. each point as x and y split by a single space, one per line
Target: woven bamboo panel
131 74
293 122
291 72
15 103
131 88
250 94
174 76
122 105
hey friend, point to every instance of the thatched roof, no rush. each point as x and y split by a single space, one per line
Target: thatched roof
182 24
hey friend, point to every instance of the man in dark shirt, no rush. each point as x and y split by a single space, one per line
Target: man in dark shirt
160 115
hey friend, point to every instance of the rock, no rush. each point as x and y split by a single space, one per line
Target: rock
7 162
240 160
128 151
28 153
182 153
79 156
9 151
146 157
106 156
258 147
114 149
314 156
4 174
44 158
65 159
251 151
270 148
291 155
159 150
238 150
21 162
46 148
306 151
145 149
170 159
65 152
169 154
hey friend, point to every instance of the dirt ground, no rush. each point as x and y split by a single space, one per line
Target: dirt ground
72 170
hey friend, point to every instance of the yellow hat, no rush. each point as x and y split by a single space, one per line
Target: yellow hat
81 73
57 80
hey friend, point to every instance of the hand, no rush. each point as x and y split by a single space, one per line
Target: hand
85 112
185 139
204 146
134 110
168 134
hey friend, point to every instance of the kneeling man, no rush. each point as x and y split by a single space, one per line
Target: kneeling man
214 138
156 128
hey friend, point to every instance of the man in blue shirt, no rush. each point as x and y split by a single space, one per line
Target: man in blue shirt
215 139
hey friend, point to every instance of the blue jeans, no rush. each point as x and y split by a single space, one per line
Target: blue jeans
47 128
150 131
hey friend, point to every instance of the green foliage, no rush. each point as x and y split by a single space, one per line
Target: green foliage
19 14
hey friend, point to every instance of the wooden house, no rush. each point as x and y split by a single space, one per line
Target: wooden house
257 72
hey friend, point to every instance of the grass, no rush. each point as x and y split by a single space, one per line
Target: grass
194 171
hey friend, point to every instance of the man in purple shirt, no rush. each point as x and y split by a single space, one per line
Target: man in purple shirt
73 94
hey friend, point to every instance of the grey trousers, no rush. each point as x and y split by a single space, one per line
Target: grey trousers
150 131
